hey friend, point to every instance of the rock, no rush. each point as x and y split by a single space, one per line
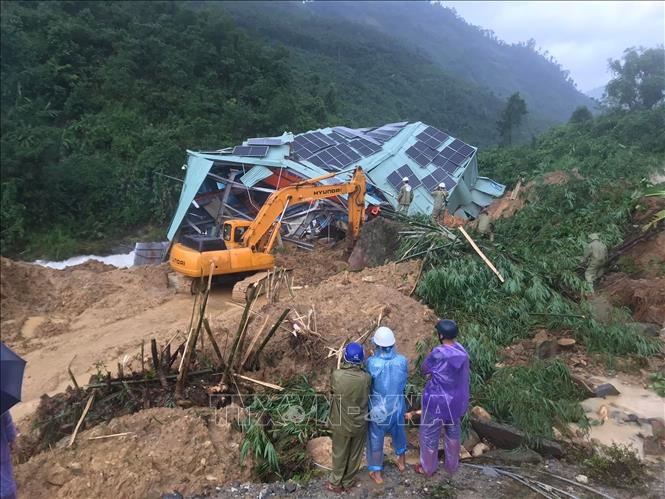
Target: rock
602 413
58 475
546 349
480 413
508 437
646 328
480 449
290 487
557 434
464 454
376 245
653 447
320 451
471 440
581 479
605 389
657 427
75 468
631 418
566 342
601 309
514 457
172 495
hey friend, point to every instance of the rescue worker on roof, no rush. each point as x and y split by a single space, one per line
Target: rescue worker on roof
404 197
445 400
485 226
389 372
350 386
595 256
440 197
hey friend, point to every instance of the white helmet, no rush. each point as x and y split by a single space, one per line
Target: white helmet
384 337
405 179
442 185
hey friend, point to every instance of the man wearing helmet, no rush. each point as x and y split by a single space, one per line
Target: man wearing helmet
404 197
389 372
445 400
350 386
440 198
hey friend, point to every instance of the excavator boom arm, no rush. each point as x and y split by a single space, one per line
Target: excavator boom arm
305 192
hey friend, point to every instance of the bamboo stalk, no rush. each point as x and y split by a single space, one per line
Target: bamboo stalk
236 340
215 346
83 415
270 334
257 335
481 254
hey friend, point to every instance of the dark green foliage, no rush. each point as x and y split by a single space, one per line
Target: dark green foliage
638 82
538 250
99 98
534 398
279 426
617 465
581 115
511 117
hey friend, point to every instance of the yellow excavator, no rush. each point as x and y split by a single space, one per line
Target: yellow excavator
245 245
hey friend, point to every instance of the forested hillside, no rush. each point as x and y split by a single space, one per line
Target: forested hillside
470 52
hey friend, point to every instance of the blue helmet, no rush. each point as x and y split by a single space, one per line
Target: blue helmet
354 354
447 329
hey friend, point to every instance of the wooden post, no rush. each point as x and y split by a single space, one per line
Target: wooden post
71 374
253 342
481 254
254 359
83 415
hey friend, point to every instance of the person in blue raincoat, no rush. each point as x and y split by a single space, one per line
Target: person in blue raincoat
445 400
387 406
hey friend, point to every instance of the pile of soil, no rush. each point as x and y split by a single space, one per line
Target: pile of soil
343 308
168 449
39 301
312 267
644 297
378 244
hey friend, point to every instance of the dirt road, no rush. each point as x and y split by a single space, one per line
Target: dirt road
94 314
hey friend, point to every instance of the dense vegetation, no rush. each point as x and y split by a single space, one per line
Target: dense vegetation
607 162
99 98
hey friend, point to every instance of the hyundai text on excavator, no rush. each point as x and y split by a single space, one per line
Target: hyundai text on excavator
245 246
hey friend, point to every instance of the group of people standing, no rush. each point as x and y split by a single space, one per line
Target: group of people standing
439 197
368 402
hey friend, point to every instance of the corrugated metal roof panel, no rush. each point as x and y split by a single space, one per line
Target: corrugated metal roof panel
255 175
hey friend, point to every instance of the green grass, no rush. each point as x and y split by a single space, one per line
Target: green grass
616 465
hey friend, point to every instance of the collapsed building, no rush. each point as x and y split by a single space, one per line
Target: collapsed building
234 182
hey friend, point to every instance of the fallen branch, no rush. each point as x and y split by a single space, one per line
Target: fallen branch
262 383
71 374
83 415
257 335
144 380
481 254
236 341
215 347
270 334
100 437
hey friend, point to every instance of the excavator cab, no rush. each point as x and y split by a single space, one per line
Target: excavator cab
233 232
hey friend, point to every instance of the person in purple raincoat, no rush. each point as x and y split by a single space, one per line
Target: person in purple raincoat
7 437
445 400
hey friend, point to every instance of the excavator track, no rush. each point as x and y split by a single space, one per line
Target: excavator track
240 289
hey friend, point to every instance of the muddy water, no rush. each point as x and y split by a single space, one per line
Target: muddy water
614 411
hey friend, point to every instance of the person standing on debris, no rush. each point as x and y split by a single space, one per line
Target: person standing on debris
485 226
440 197
595 256
348 417
389 372
405 197
445 400
7 438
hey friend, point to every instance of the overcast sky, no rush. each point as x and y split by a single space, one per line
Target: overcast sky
580 35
